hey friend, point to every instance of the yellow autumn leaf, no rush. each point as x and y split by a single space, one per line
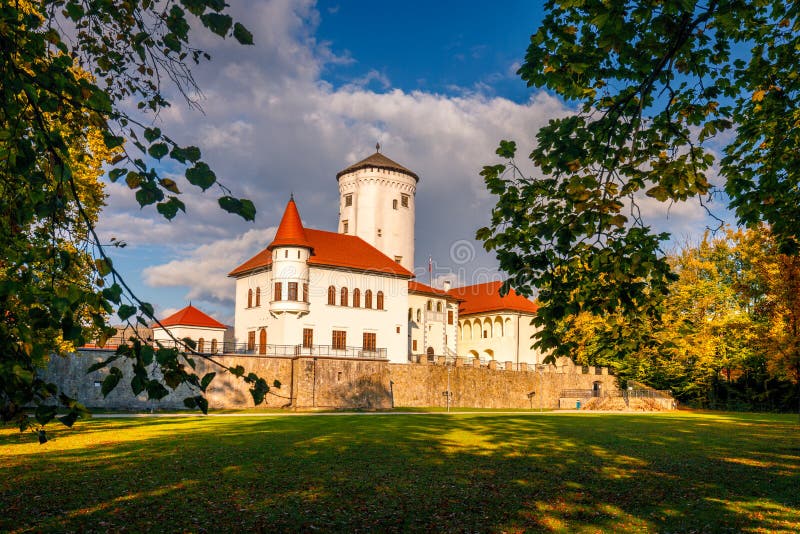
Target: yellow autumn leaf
758 96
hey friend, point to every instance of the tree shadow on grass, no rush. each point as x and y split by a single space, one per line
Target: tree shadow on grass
478 473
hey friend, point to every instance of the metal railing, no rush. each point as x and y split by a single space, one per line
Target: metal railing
266 350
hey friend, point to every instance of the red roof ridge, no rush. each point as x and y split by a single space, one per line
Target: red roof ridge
190 316
290 230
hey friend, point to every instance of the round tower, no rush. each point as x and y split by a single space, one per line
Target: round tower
290 253
376 203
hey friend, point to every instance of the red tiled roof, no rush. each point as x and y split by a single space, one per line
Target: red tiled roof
419 287
290 230
190 316
379 161
334 250
481 298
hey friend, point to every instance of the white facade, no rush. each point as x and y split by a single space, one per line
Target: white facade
504 336
321 319
377 205
432 325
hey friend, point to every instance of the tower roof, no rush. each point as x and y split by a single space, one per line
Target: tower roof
290 230
190 316
379 161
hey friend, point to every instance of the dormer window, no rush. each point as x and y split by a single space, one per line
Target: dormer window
348 200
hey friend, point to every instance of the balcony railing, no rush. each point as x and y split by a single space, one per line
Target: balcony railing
266 350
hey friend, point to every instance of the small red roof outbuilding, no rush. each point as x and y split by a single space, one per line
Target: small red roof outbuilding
191 316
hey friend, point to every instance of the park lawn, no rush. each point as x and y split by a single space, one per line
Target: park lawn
578 472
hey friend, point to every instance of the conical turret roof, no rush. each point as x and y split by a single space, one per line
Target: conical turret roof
377 160
290 231
190 316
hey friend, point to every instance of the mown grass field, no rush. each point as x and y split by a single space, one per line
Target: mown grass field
399 473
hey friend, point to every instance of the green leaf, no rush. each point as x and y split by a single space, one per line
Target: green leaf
156 390
241 34
151 134
242 207
219 24
207 380
69 419
111 381
158 150
125 311
201 176
44 414
113 293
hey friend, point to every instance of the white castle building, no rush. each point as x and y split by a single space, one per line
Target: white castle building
352 293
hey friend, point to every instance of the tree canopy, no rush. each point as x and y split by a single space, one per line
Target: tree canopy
676 100
82 83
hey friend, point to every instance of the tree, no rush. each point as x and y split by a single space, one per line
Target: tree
71 71
659 88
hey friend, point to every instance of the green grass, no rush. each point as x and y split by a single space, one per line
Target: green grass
427 472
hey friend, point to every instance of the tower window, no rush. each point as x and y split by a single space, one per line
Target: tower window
345 226
380 232
285 253
278 292
305 292
292 290
398 259
394 203
348 200
404 200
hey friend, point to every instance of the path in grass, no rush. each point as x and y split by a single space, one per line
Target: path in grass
487 472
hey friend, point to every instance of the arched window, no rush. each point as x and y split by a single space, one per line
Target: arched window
379 300
201 345
258 296
487 328
262 341
410 315
430 306
368 298
439 307
249 298
213 346
498 327
356 298
419 315
331 295
467 330
343 297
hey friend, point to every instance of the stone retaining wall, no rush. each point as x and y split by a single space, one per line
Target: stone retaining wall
337 383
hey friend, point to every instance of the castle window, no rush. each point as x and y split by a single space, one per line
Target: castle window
379 303
398 259
213 346
278 291
305 292
201 345
292 291
343 297
419 315
356 298
380 232
430 306
251 340
449 316
331 295
348 200
369 341
345 227
439 307
414 345
298 254
249 298
285 253
258 296
404 200
339 340
308 338
394 204
368 298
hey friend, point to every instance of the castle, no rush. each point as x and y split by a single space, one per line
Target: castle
352 293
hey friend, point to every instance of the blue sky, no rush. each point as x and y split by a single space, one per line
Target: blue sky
433 82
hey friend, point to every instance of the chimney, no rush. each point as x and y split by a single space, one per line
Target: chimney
447 285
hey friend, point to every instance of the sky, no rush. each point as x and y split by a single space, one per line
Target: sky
434 82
